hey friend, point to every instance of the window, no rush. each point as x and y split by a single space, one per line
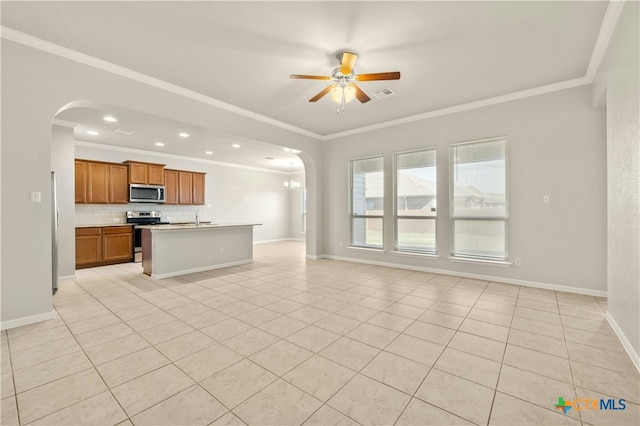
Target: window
415 209
478 204
367 200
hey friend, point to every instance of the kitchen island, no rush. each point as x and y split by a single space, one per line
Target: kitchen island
170 250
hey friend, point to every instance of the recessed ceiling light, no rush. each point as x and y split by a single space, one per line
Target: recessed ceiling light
92 132
183 135
110 118
209 152
235 145
159 144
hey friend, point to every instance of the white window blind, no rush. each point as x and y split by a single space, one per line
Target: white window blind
367 202
478 199
416 198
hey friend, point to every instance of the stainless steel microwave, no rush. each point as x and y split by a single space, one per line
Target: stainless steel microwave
146 193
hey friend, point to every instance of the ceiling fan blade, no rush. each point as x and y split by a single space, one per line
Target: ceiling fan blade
322 93
395 75
360 95
347 62
310 77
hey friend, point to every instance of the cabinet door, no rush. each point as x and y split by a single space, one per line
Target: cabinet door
88 247
81 182
98 183
117 247
155 174
198 188
118 184
171 186
137 173
185 181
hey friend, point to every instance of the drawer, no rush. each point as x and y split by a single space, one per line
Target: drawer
81 232
117 230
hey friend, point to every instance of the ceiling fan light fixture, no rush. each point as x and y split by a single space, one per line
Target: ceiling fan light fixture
343 93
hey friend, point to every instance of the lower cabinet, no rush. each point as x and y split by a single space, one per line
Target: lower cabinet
96 246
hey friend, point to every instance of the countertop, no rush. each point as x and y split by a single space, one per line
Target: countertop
189 226
104 225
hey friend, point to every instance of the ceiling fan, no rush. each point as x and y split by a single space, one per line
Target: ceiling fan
343 88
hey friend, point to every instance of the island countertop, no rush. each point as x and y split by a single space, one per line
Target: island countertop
189 226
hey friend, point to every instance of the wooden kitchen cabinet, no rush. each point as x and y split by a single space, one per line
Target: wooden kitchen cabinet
88 247
171 187
117 244
198 188
96 246
118 184
185 187
98 182
81 181
145 173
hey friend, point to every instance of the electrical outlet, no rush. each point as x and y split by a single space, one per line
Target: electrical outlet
545 199
518 261
340 243
116 219
221 250
36 196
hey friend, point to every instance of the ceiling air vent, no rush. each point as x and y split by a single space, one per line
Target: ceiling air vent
383 93
123 131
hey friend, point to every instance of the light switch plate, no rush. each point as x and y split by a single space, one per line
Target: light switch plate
36 196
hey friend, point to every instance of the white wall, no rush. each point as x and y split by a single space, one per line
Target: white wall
295 210
62 164
235 195
556 147
35 86
618 76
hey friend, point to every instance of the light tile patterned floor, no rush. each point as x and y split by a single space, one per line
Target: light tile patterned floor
287 341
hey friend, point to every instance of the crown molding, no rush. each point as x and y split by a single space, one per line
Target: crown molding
179 157
466 107
604 37
609 21
55 49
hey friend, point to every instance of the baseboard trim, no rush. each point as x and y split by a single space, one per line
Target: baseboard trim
546 286
277 240
67 277
635 358
201 269
18 322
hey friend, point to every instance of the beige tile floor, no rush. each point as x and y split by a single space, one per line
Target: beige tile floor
287 341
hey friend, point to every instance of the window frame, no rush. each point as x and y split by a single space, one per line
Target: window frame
396 169
453 218
353 216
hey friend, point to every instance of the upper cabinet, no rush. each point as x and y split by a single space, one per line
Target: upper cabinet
198 188
145 173
171 191
182 187
185 185
100 183
118 184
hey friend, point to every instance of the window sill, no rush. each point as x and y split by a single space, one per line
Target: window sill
369 249
415 254
503 263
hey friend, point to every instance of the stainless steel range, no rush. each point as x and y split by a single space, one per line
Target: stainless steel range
142 218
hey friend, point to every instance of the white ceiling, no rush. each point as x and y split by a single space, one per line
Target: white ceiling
449 53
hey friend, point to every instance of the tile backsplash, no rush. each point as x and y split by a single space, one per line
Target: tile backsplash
109 214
